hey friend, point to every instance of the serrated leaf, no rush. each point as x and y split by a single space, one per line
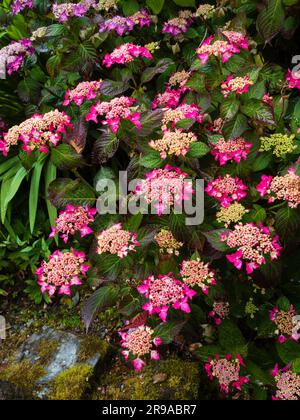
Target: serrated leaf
288 351
161 66
34 192
214 238
65 157
167 331
155 5
231 339
236 127
105 147
287 221
198 150
229 109
103 298
151 160
114 88
262 162
65 191
270 19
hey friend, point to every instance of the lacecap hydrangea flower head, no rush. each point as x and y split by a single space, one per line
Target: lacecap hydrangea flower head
84 91
165 292
253 244
138 343
114 111
167 243
287 383
175 142
164 188
227 190
115 240
235 150
227 371
125 54
38 132
72 220
286 188
19 5
293 79
62 271
196 273
287 323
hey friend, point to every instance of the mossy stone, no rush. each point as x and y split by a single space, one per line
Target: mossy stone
179 380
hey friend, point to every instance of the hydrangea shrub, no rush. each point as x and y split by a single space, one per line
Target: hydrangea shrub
170 91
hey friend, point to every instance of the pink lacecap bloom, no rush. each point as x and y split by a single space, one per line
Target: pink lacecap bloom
72 220
237 39
287 323
178 25
175 142
220 311
142 18
62 271
19 5
184 111
238 85
116 240
168 99
13 55
227 372
196 273
114 111
119 24
218 48
139 342
227 190
163 188
253 243
286 187
293 79
64 11
288 384
165 292
38 132
83 91
231 150
126 53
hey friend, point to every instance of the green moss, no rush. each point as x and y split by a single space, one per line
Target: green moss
23 374
71 384
45 350
180 380
90 346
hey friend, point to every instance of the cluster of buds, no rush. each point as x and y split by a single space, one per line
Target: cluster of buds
142 18
285 188
253 243
220 311
280 144
205 11
173 143
13 55
19 5
114 111
227 372
231 150
38 132
287 383
238 85
196 273
72 220
227 190
185 111
180 24
164 188
287 324
179 79
106 5
231 214
222 49
117 241
62 271
126 53
139 342
165 292
167 243
83 91
293 79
